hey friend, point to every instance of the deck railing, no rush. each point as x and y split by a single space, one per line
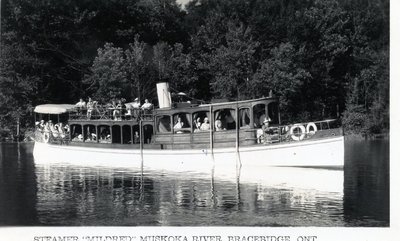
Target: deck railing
104 112
300 131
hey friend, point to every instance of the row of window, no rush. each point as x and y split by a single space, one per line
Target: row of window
223 119
125 134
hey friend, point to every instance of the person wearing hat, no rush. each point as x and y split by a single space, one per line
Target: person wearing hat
136 108
136 103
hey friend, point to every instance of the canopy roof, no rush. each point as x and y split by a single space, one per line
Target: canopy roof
53 108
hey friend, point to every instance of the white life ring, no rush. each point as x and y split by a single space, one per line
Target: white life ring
46 137
302 129
314 126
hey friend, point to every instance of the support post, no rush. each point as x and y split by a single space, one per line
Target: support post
111 134
97 133
211 131
238 161
83 133
279 115
122 136
141 141
132 134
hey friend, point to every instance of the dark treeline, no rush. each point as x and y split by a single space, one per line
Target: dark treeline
323 58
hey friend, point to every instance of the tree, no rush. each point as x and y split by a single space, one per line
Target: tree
136 67
109 77
233 64
283 75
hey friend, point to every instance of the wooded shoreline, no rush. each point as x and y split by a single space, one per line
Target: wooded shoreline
324 59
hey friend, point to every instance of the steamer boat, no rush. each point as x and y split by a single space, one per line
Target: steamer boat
171 136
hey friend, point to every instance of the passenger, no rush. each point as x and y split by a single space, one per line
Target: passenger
147 105
136 137
51 125
66 128
197 124
136 108
90 107
61 130
116 110
218 125
81 103
41 125
136 104
80 106
54 130
205 126
179 124
266 130
46 127
93 136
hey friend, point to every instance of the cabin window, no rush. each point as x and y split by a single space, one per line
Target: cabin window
198 120
259 115
126 134
116 134
181 123
76 133
244 118
225 119
164 124
89 133
104 134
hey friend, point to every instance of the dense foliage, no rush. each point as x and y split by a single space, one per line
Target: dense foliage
324 58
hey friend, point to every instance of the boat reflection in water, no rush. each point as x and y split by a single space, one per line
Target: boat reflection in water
220 195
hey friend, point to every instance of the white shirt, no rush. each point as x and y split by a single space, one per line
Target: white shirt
147 105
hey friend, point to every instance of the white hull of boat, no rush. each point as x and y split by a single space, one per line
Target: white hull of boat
310 153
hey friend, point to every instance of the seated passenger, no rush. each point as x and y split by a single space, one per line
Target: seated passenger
54 131
266 130
61 130
218 125
66 128
179 124
41 125
136 137
205 126
147 105
46 127
197 124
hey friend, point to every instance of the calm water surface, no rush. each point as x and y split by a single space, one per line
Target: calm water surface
64 194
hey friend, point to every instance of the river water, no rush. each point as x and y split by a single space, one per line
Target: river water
67 195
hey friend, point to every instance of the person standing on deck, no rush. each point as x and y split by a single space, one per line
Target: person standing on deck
90 106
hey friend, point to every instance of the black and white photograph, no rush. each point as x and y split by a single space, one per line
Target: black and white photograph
197 120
